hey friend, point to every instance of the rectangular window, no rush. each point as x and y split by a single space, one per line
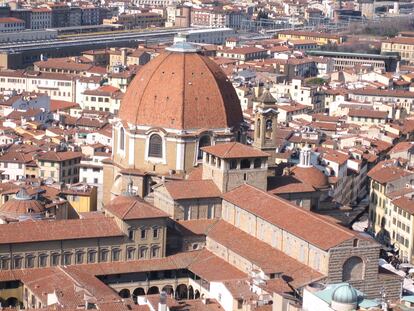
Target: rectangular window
5 263
79 257
116 254
67 259
155 233
143 234
17 262
54 261
42 260
91 257
131 253
104 256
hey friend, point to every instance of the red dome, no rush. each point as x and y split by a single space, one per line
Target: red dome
181 90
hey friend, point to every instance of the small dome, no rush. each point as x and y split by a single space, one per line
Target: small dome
22 206
345 294
311 176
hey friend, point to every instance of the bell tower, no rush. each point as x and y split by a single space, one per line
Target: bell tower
265 124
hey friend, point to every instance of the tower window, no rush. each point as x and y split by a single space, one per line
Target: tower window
204 142
245 164
122 139
155 146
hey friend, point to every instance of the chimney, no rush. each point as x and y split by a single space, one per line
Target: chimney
162 305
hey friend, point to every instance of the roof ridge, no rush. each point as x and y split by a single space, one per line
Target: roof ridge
231 148
313 215
129 209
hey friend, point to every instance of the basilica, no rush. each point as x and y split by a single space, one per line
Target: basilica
181 142
189 212
177 104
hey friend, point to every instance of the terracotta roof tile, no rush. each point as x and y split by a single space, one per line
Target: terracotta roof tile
35 231
289 217
198 95
261 254
407 204
192 189
131 207
365 113
59 156
234 150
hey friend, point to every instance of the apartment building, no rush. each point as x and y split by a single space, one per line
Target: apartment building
57 86
296 89
138 20
402 45
387 179
41 18
105 98
367 117
403 99
60 166
15 165
320 38
11 24
243 53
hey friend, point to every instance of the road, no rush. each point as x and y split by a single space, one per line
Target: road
155 35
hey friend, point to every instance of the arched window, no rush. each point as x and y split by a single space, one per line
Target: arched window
204 142
258 128
155 146
155 251
116 254
143 252
104 255
122 139
353 269
79 257
30 261
91 256
43 260
269 124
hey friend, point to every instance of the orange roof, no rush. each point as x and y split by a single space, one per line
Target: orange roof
132 207
289 217
198 95
59 156
261 254
311 176
10 20
366 113
401 146
37 231
234 150
387 173
407 204
192 189
56 105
